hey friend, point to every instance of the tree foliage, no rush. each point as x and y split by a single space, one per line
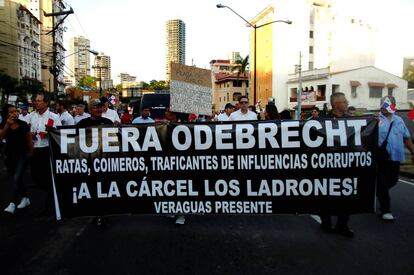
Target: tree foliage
22 89
157 85
242 65
409 74
88 82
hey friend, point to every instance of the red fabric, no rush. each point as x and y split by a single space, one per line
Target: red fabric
126 118
411 114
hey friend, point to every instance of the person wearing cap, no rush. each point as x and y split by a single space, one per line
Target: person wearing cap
96 118
109 113
145 116
388 170
228 109
81 114
25 115
243 113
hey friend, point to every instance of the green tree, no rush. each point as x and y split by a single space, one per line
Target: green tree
28 88
8 85
242 66
409 74
156 85
88 81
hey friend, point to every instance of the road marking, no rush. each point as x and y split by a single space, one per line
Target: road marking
316 218
407 182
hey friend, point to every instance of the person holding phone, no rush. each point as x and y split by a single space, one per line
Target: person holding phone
18 147
41 121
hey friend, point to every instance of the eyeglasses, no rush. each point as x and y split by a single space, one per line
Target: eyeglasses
244 102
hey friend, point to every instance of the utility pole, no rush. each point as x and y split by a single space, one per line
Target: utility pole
299 71
55 69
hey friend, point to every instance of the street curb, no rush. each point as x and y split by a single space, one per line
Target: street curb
407 174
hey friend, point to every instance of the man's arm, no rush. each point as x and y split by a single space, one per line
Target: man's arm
410 146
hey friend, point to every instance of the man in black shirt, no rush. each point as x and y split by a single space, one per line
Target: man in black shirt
96 119
339 105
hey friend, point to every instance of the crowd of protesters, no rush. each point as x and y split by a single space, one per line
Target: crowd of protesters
27 141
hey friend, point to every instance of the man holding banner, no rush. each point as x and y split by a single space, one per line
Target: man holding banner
339 105
41 122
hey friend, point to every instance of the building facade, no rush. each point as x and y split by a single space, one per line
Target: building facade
20 52
228 84
102 70
79 58
319 37
363 87
175 44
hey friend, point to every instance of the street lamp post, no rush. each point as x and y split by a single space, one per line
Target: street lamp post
255 27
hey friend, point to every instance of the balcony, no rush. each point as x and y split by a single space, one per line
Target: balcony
318 98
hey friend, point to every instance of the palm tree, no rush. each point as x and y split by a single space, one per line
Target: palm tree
409 74
242 66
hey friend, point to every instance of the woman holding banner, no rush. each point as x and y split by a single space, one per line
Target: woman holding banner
18 146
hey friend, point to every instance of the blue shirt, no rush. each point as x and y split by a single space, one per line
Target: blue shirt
140 120
399 132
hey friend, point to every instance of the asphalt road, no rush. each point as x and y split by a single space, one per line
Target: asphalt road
278 244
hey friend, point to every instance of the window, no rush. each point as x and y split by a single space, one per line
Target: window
354 91
236 96
310 65
375 92
310 34
237 83
390 90
310 49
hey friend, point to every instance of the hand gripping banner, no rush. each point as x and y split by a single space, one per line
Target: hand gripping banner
264 167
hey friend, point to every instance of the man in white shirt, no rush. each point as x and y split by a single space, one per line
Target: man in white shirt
65 118
109 113
243 113
81 114
228 110
41 121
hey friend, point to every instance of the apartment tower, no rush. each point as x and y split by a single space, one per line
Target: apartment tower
175 30
80 58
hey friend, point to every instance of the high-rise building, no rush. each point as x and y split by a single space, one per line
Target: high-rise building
20 53
234 57
175 30
79 58
125 77
102 70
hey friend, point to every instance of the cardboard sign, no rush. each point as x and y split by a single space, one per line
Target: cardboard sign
190 89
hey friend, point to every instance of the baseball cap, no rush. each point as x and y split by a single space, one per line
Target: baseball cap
228 105
95 103
388 105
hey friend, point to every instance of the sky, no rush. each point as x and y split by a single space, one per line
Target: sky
132 32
